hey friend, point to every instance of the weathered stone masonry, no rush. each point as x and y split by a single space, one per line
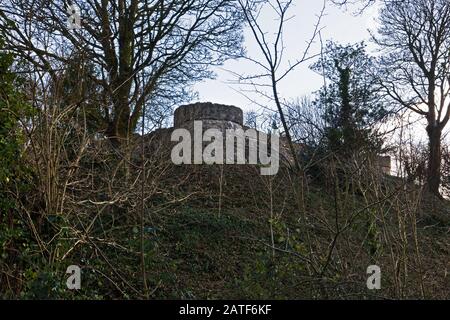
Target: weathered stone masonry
222 117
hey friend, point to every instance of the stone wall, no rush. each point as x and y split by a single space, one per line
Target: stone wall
207 111
384 162
224 117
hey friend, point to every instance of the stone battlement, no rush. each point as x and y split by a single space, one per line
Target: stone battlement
225 117
207 111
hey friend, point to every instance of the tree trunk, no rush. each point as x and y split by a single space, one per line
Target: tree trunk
117 130
434 159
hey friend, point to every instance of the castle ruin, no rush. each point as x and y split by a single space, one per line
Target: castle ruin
223 117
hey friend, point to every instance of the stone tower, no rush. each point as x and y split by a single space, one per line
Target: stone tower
212 116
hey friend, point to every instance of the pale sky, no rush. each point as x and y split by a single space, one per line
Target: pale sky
340 25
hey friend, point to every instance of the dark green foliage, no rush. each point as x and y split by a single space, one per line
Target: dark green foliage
77 88
350 101
14 238
13 114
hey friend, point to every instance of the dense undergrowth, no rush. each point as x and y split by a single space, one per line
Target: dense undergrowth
224 232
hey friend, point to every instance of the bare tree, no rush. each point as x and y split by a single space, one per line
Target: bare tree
415 36
273 55
306 121
344 3
142 50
